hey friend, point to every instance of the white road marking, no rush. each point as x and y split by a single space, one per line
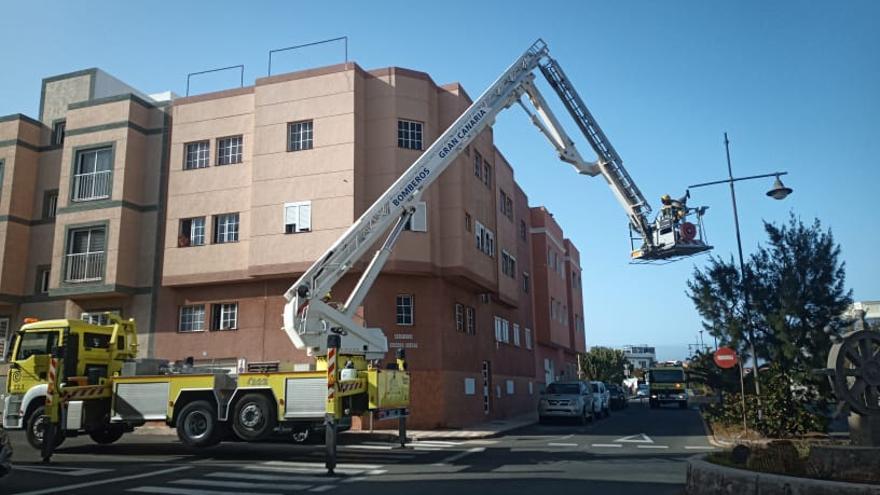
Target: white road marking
170 490
482 442
268 477
552 444
640 438
67 488
367 447
354 479
322 488
61 471
698 447
240 484
437 443
652 446
607 445
458 456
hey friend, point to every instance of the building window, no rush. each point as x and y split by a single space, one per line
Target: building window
526 279
418 221
459 317
91 176
405 309
225 228
224 316
470 321
487 174
508 264
502 330
99 317
516 334
297 217
192 318
43 279
478 165
197 155
85 254
485 239
50 203
522 229
300 135
2 169
409 135
505 204
229 150
553 309
528 337
192 232
467 222
58 132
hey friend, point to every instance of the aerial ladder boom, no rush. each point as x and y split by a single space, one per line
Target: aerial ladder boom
309 316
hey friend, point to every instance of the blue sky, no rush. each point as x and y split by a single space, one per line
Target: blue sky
795 84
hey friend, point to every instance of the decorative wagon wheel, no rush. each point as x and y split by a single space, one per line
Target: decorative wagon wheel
855 361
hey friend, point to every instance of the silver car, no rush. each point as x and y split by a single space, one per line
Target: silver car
566 400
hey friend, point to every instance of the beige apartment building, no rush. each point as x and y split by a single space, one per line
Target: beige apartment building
252 185
80 203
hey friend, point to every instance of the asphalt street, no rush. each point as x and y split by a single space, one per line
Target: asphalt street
636 450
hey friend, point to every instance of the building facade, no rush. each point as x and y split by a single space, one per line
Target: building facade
640 357
217 202
80 203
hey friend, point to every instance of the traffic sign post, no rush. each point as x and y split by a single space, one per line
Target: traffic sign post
726 358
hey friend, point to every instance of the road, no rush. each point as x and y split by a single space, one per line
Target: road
636 450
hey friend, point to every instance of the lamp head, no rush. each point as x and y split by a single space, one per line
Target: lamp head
779 190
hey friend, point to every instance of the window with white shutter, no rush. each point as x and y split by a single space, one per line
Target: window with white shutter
297 217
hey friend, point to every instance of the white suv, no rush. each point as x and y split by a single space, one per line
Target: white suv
601 399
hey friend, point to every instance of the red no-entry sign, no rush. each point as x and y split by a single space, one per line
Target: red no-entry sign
725 357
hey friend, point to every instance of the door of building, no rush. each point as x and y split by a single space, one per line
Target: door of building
4 337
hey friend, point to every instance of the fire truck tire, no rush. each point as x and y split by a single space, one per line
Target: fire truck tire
108 435
197 425
36 425
255 418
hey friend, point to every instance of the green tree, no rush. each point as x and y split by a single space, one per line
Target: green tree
603 364
796 284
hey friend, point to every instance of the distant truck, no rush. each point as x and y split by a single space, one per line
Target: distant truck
668 384
104 391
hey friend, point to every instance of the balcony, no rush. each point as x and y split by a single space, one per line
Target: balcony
84 267
92 186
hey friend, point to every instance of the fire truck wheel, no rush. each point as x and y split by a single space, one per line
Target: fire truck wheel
108 435
36 427
197 425
255 417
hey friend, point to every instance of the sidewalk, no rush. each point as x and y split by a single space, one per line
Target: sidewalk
482 430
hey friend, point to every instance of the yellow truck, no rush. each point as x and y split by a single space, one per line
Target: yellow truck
105 391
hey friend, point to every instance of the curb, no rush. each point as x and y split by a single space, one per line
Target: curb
706 478
710 436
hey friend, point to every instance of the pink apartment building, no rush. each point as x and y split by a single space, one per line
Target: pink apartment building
194 216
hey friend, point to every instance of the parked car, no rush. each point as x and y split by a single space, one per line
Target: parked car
601 399
643 391
618 397
572 400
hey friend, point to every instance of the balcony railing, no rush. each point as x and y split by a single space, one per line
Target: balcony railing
85 267
91 186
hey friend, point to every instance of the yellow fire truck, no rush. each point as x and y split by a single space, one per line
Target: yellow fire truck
104 391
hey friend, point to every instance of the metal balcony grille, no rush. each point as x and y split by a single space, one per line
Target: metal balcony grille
91 186
85 267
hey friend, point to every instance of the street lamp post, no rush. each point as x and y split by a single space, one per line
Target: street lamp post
778 192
